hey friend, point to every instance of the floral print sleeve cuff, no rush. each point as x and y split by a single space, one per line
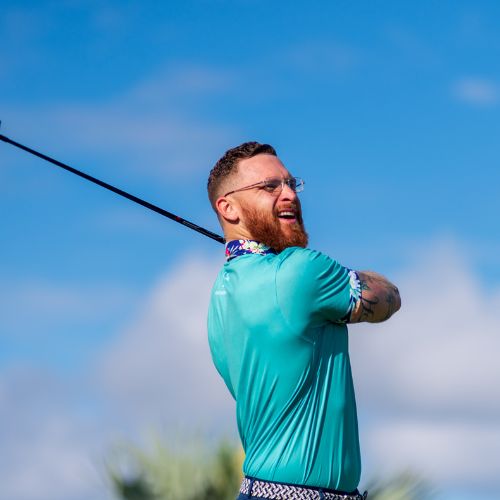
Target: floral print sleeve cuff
354 295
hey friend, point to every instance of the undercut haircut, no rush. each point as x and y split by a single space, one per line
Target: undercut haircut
228 164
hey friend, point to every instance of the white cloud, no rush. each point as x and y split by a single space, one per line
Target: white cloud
160 368
445 453
477 91
431 374
47 445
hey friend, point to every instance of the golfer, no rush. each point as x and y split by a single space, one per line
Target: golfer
278 335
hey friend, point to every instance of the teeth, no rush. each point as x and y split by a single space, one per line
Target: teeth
287 214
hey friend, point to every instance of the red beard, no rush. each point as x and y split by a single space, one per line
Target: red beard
267 229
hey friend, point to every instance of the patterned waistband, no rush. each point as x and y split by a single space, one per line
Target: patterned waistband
279 491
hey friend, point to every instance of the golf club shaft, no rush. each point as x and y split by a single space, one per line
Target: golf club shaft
120 192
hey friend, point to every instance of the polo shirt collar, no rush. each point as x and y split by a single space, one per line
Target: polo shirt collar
235 248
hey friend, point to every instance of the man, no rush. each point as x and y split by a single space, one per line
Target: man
278 336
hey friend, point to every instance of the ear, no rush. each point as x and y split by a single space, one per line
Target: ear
227 209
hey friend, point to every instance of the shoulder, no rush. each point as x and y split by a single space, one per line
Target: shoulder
308 264
305 257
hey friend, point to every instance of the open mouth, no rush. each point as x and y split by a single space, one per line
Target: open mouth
287 216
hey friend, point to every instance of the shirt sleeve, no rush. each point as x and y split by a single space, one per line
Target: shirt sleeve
354 294
313 288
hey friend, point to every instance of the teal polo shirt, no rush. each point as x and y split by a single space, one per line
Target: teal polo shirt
277 338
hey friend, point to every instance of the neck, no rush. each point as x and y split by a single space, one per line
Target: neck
232 234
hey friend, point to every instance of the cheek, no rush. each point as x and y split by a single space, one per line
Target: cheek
263 206
266 205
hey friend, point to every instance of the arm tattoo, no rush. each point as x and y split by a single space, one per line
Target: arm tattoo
392 301
379 298
367 306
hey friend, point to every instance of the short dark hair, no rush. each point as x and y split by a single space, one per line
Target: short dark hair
229 163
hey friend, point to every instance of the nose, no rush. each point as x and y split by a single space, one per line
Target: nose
287 193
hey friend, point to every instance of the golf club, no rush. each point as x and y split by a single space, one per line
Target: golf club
116 190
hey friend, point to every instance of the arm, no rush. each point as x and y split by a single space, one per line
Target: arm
379 299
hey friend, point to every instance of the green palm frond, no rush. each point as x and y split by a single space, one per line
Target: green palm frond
194 471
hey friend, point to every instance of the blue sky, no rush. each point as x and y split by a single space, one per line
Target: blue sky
391 115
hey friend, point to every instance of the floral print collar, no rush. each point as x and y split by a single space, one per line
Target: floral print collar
235 248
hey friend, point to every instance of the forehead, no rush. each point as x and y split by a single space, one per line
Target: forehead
260 167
